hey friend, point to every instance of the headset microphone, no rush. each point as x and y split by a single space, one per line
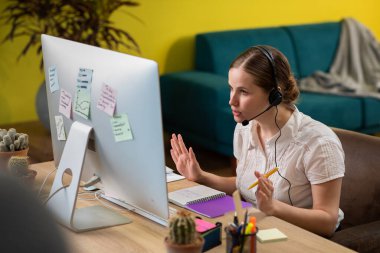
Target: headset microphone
246 122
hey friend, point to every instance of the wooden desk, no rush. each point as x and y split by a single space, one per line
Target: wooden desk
144 235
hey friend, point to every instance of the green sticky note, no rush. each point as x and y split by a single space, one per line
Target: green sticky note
82 102
121 128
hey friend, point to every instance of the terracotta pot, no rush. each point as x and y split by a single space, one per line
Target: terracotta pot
196 247
29 177
4 157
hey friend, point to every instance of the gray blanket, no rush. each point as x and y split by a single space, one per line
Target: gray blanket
356 67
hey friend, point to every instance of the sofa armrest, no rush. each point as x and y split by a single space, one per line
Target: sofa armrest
362 238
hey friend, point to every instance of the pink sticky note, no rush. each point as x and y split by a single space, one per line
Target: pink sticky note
65 103
202 225
107 100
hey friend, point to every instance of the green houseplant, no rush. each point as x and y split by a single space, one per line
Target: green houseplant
85 21
183 236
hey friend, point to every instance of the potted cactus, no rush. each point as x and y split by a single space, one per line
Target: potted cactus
182 235
12 144
18 166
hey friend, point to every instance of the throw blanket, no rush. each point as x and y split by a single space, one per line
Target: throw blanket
356 67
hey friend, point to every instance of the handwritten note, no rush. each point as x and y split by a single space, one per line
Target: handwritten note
61 135
107 100
83 93
65 103
53 79
121 128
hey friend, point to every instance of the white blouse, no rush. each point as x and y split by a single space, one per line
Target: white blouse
308 152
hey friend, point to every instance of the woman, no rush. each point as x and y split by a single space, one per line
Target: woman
306 189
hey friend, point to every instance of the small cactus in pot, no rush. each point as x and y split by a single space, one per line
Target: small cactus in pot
183 236
11 141
12 144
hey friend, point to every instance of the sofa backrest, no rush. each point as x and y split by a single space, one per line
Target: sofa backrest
360 196
315 46
307 47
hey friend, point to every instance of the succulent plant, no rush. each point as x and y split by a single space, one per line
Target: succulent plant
12 141
182 228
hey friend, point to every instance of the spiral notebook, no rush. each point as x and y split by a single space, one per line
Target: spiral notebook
204 200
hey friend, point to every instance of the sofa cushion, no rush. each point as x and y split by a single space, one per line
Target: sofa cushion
333 110
315 46
190 101
225 126
215 51
371 112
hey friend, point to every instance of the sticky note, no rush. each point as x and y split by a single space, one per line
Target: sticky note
107 100
121 128
82 103
53 79
61 135
85 77
270 235
65 103
83 93
202 225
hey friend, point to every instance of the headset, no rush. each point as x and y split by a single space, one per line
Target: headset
275 96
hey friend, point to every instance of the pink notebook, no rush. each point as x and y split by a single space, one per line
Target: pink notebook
215 207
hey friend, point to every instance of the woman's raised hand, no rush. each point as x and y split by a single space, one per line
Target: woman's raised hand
184 159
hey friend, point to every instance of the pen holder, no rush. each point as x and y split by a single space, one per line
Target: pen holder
237 243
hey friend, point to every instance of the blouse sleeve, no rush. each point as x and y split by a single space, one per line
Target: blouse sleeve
324 160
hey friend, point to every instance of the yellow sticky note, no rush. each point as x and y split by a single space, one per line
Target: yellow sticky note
121 128
270 235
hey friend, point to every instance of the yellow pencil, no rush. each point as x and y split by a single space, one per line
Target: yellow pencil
265 175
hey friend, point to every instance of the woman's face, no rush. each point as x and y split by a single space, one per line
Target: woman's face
246 98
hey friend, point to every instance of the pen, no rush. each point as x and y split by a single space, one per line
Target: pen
242 233
265 175
236 220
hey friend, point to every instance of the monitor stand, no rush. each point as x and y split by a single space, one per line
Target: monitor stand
62 203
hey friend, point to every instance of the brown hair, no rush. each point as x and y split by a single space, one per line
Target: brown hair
256 63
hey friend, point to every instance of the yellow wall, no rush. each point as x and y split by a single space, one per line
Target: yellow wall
166 34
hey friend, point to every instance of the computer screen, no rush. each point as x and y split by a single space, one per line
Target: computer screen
118 96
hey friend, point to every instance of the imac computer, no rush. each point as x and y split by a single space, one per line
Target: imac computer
105 119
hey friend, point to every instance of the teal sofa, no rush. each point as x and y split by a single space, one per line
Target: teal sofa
195 103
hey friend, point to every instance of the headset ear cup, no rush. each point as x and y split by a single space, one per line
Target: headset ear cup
275 97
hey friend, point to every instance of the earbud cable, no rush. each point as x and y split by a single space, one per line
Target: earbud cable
275 156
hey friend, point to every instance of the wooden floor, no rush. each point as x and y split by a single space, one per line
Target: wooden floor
40 149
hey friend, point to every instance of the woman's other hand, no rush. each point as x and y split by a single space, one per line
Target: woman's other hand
264 194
